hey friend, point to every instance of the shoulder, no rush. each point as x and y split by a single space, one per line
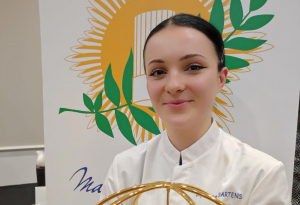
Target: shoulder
126 169
256 170
245 154
135 156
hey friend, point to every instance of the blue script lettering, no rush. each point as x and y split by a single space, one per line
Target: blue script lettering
88 182
229 194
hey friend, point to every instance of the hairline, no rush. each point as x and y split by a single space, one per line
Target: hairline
170 23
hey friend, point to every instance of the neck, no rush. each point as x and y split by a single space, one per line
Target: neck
182 138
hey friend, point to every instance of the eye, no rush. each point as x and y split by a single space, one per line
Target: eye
195 67
157 72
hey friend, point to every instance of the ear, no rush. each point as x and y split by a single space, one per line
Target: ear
222 77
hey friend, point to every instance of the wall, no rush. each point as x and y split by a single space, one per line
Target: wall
21 115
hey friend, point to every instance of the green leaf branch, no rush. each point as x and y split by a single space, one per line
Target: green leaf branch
239 22
61 110
112 92
252 23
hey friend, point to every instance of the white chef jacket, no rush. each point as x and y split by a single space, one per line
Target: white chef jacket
218 163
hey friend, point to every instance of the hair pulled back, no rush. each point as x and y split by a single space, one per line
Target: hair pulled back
187 20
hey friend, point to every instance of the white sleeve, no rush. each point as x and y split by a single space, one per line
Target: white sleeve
110 184
272 189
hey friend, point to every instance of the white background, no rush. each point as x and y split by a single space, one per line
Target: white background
21 100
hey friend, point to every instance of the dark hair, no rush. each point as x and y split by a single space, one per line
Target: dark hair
199 24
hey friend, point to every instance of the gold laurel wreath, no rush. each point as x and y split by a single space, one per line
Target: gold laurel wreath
138 190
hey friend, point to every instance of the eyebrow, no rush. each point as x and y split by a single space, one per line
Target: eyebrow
190 56
182 58
156 61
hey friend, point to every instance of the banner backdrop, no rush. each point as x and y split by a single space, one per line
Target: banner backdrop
95 99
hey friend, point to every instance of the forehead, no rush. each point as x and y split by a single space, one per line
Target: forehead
177 41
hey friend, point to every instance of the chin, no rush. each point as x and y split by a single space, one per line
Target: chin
179 122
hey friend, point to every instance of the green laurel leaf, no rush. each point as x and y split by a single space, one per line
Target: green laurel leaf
103 124
111 88
144 120
124 126
88 102
152 109
127 79
227 81
236 13
244 44
98 102
217 16
199 15
256 4
256 22
235 63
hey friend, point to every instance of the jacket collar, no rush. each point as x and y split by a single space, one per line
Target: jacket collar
196 150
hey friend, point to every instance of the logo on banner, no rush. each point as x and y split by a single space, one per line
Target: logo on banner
110 60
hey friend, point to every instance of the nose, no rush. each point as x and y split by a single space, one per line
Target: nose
175 83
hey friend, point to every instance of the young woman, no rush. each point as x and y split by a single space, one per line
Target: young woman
185 69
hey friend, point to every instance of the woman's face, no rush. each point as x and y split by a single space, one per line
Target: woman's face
182 76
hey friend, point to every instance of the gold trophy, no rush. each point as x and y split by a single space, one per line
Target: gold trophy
137 191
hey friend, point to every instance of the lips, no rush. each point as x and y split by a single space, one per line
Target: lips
178 101
177 104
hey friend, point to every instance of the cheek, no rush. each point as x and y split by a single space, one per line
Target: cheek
154 91
205 87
